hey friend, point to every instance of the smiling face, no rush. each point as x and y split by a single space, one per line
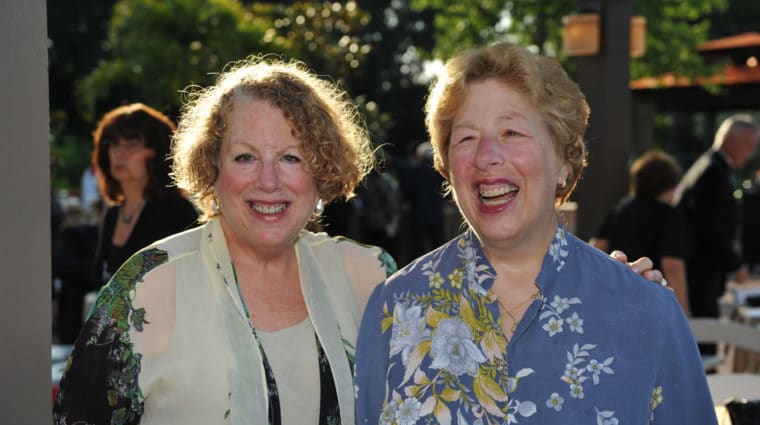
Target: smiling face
504 168
265 194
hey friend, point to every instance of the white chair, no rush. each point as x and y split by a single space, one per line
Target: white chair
723 386
727 335
745 311
741 294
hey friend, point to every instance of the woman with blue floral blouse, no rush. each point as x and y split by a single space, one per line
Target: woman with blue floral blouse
516 320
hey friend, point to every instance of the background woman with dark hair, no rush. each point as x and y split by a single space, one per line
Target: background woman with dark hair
132 143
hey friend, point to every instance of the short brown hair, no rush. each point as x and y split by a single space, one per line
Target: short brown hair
334 139
653 174
559 100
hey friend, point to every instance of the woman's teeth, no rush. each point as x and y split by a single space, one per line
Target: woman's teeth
493 192
269 209
495 195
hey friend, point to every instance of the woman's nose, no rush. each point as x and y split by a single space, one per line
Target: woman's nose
488 153
268 178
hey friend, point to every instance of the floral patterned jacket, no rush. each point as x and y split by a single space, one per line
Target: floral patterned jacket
600 345
170 341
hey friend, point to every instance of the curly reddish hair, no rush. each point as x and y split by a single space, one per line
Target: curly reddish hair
336 147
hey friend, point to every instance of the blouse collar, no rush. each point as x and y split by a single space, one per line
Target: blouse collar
479 272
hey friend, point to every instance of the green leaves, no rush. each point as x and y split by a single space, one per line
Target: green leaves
159 47
674 29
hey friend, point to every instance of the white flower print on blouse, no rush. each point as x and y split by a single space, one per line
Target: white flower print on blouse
450 325
388 415
408 412
561 304
556 251
575 323
474 271
555 402
553 311
464 372
605 418
453 349
429 269
597 368
656 401
408 330
575 372
524 409
553 326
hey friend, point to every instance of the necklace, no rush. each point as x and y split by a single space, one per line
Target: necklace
126 217
516 321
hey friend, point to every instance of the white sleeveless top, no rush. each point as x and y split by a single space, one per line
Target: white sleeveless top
292 354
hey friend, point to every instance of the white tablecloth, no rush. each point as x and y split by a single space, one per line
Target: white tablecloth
726 385
723 386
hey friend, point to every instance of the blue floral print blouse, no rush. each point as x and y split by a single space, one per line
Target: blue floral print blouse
599 345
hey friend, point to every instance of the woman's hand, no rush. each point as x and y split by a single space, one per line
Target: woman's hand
642 266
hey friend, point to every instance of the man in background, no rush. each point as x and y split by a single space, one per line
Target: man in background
707 199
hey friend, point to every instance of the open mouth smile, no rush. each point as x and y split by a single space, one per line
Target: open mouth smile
491 195
268 208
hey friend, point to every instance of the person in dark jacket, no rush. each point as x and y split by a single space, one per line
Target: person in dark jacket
707 198
647 224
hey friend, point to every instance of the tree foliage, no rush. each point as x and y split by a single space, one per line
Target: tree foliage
674 29
107 52
76 30
393 70
325 35
328 37
156 48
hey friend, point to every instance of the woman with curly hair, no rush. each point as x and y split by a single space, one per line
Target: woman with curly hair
249 318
